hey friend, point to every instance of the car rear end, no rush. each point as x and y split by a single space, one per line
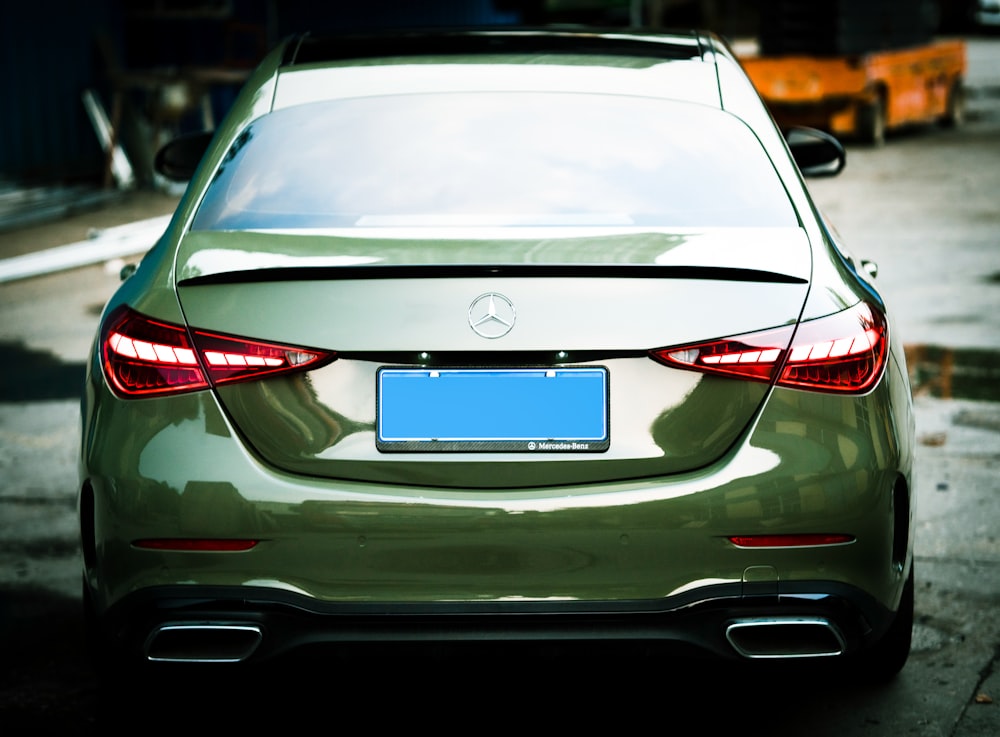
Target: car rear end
505 348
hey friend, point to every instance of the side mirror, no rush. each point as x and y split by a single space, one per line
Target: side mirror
818 154
127 270
178 159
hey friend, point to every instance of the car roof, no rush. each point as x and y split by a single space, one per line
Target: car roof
673 65
312 48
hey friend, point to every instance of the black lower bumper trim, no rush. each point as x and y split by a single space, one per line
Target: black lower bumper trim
289 622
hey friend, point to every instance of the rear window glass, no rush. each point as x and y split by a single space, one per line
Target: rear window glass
496 159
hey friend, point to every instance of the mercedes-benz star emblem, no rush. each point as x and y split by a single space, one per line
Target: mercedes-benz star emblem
492 315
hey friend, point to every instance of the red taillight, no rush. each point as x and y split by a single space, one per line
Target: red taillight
235 359
844 352
197 545
790 541
145 357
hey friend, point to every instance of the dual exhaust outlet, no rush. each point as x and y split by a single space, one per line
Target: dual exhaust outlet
203 643
752 637
785 637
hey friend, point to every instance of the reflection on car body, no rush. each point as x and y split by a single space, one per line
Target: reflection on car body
501 334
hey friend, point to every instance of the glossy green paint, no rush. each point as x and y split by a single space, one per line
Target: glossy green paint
662 421
641 539
291 463
780 251
432 314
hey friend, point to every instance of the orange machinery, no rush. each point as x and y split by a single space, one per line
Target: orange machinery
861 96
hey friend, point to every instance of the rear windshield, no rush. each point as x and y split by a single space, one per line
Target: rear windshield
495 159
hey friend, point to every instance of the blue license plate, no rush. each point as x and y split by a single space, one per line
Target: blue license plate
537 410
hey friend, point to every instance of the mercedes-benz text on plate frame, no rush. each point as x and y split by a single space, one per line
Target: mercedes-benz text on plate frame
492 315
552 410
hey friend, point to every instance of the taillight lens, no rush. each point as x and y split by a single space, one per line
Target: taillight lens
844 352
791 541
144 357
197 545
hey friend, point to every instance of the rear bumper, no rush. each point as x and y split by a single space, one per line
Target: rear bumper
237 624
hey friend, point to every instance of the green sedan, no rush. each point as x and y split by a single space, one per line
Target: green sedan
507 335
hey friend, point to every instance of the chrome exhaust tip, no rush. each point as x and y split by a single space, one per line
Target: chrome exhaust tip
203 643
785 637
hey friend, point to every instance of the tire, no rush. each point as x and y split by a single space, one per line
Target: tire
888 656
98 648
954 115
112 669
871 122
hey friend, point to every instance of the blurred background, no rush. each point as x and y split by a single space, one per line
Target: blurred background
92 89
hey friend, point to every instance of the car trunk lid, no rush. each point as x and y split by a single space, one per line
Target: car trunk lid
594 303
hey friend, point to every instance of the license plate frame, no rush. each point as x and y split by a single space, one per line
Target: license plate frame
455 410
